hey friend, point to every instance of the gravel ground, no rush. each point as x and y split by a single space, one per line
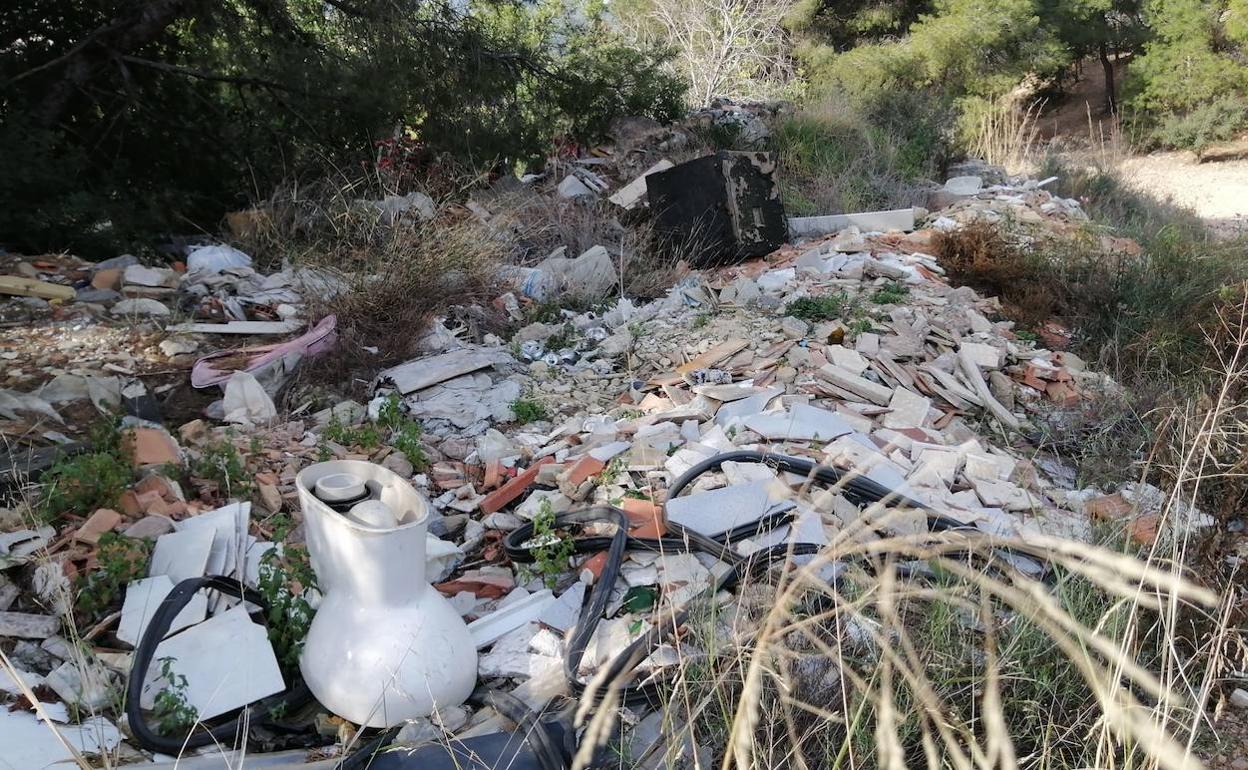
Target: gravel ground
1217 192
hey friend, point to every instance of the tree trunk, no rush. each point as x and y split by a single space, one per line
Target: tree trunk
1111 99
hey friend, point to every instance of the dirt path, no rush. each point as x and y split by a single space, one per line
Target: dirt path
1216 191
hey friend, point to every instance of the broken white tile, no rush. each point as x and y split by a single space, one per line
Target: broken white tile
182 555
720 510
510 656
736 411
565 612
984 355
906 410
143 598
802 423
682 577
1003 494
510 616
29 743
217 683
846 358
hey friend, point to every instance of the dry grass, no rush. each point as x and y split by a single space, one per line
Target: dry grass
1006 134
985 257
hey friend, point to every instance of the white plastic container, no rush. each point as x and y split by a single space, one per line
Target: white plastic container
384 646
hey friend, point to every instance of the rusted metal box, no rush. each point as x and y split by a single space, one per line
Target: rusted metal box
718 209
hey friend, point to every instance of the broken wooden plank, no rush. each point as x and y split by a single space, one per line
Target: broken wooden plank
30 287
707 360
866 221
970 369
240 327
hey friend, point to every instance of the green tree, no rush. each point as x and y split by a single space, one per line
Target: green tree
1189 85
130 117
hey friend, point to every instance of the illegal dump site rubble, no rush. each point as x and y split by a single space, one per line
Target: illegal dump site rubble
847 348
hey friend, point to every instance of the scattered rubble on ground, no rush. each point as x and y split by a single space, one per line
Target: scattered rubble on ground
848 348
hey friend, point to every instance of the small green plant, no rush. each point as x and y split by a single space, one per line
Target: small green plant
83 483
174 716
528 409
823 308
285 577
223 464
121 559
700 320
891 293
366 435
611 474
550 550
1027 335
405 432
860 325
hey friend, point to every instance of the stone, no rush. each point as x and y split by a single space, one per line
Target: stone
1239 698
794 328
22 625
82 683
141 275
141 306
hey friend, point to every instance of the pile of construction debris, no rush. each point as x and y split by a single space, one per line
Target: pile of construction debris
849 348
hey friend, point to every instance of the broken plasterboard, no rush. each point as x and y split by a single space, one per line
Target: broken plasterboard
429 371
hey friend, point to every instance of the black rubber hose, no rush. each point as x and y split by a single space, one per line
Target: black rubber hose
225 733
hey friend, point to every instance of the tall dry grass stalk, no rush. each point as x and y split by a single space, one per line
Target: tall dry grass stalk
1007 134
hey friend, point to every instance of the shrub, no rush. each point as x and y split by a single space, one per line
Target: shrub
839 157
1216 121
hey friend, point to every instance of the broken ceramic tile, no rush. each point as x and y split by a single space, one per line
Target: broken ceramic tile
218 683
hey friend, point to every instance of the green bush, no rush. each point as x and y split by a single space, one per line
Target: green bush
1209 123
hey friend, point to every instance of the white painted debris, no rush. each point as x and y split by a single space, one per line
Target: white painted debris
143 598
521 612
140 306
868 221
634 192
236 327
217 683
23 625
712 513
215 259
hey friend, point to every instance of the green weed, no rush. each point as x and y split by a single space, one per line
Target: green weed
528 409
824 308
120 560
84 483
285 577
222 464
174 716
891 293
552 551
